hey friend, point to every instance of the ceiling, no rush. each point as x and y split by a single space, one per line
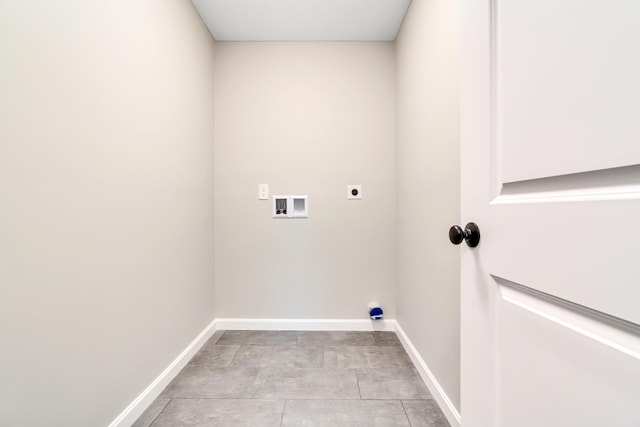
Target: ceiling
303 20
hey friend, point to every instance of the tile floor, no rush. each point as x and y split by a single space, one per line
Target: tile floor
290 378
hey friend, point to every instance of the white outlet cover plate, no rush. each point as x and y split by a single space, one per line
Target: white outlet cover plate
350 189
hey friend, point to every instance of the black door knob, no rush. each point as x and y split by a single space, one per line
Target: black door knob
471 234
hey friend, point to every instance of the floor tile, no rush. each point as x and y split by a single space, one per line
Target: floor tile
328 379
259 338
425 413
279 356
215 337
204 382
344 413
386 338
215 356
151 413
335 338
314 383
221 412
395 383
366 357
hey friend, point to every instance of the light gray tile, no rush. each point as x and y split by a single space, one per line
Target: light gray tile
366 357
225 412
335 338
259 338
151 413
215 356
425 413
344 413
279 356
204 382
386 338
395 383
313 383
234 337
215 337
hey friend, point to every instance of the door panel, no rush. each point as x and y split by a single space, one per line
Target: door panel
565 369
551 173
566 71
557 248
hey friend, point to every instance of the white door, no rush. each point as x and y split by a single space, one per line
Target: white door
551 175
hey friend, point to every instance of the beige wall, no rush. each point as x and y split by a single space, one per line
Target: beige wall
428 192
305 118
106 202
107 178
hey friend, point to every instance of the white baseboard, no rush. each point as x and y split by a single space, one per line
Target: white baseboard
306 324
144 400
439 395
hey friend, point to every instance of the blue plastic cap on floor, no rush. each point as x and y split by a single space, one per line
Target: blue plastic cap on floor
376 313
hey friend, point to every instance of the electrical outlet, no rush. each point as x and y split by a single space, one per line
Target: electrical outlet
354 192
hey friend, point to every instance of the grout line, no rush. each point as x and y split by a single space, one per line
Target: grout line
406 414
220 337
161 411
234 357
284 408
237 398
217 339
300 399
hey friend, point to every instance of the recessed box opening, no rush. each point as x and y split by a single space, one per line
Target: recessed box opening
290 207
280 208
299 206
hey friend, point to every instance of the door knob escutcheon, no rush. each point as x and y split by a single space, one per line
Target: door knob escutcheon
471 234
